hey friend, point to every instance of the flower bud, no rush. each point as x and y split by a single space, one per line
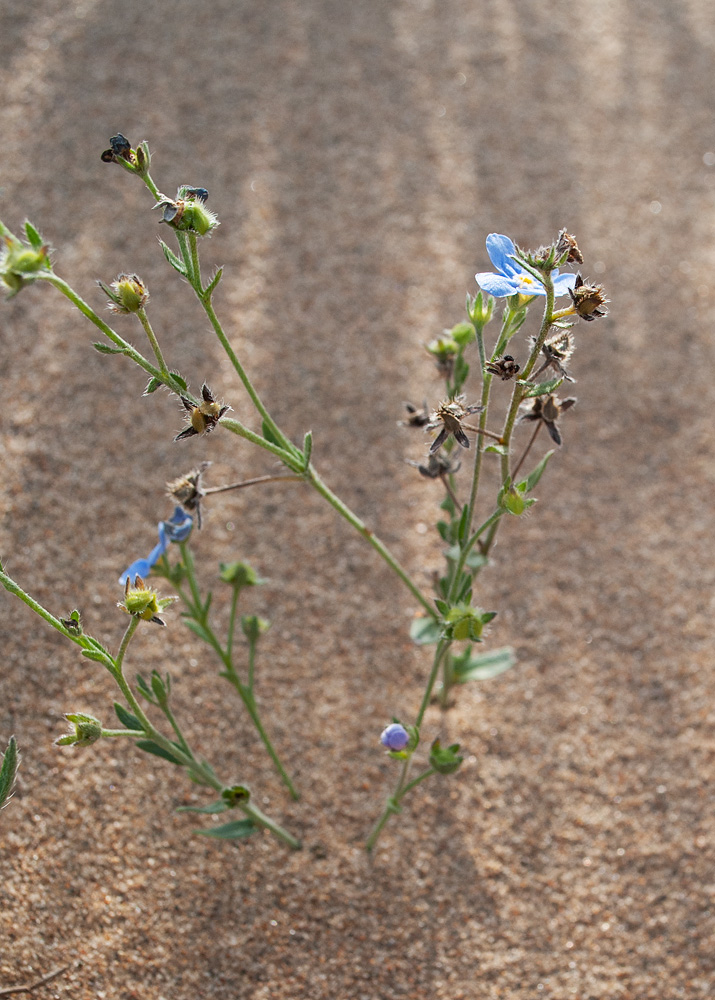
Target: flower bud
395 737
127 294
19 262
445 760
84 730
480 309
144 602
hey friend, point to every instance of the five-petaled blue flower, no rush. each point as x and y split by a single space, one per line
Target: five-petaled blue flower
511 277
176 529
395 737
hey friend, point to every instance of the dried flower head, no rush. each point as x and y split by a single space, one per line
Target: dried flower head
437 466
547 409
188 212
415 417
449 416
119 148
588 299
557 350
187 491
204 417
444 350
505 367
566 242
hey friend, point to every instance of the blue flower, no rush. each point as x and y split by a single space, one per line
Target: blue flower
176 529
395 737
511 277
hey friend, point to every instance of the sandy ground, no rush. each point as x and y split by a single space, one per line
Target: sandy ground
358 154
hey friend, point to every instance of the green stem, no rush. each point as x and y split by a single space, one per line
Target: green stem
135 734
244 692
232 623
195 264
251 664
392 806
254 813
467 548
143 319
287 457
345 512
442 647
519 391
246 696
285 444
91 315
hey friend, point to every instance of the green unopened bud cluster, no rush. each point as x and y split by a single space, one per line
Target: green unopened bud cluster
84 731
127 294
20 262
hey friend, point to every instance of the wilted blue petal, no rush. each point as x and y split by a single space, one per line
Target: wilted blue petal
178 527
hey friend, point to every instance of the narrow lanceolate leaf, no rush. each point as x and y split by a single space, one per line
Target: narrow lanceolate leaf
198 630
127 718
173 259
533 477
152 385
103 658
33 237
230 831
211 287
425 631
106 349
543 388
8 771
149 746
483 667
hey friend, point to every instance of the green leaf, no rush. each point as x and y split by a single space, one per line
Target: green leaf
425 631
211 287
441 606
180 380
106 349
103 658
497 449
544 388
463 527
481 668
532 479
444 530
198 630
33 237
307 447
219 806
152 385
269 435
127 719
234 830
173 259
149 746
144 690
8 771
